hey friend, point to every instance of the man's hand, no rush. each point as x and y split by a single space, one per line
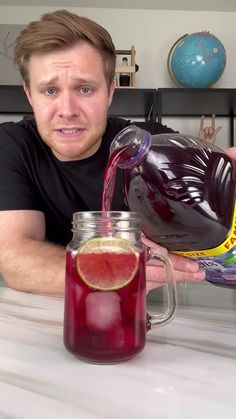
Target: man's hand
231 151
185 269
208 133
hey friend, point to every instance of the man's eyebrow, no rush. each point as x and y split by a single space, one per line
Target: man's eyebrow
79 80
85 80
47 82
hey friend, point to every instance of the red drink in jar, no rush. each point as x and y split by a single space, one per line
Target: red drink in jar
105 317
105 325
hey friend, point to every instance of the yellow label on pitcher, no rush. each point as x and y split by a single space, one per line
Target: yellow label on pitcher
219 262
224 247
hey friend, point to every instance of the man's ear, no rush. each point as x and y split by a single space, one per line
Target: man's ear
27 92
111 92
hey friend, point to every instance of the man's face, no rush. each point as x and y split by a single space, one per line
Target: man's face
70 98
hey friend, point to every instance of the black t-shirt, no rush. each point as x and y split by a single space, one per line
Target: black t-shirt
32 178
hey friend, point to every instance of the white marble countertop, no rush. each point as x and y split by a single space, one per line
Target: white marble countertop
187 369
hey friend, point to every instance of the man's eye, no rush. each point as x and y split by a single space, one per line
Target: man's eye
86 90
50 91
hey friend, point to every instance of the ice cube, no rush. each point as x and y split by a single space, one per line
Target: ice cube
103 310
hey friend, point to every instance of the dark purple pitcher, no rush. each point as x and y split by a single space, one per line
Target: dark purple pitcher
183 188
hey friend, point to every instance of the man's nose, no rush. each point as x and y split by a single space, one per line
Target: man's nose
68 105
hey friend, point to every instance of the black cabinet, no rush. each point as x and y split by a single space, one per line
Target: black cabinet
177 102
146 103
180 102
134 103
13 100
127 102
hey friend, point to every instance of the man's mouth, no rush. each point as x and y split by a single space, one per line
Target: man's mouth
69 130
67 133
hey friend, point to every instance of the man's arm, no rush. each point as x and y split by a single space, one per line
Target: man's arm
27 262
30 264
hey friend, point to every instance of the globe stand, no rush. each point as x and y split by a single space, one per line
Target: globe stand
169 60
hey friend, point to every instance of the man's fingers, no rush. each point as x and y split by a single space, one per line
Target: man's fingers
157 274
154 246
181 263
156 277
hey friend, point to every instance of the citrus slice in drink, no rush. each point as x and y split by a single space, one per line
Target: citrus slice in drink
107 263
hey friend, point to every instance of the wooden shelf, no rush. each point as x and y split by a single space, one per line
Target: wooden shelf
130 69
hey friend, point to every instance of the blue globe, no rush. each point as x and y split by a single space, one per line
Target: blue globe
196 60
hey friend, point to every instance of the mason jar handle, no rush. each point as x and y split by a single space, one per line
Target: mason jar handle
163 318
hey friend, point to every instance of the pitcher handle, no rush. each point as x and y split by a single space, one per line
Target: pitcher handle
163 318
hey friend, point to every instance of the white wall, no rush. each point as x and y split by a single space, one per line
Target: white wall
153 32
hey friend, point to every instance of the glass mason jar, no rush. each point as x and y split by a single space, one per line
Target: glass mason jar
105 319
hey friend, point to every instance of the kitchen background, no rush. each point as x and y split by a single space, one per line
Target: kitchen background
152 28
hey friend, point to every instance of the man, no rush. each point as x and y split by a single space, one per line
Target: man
53 166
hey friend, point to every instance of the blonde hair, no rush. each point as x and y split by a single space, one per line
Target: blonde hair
58 30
